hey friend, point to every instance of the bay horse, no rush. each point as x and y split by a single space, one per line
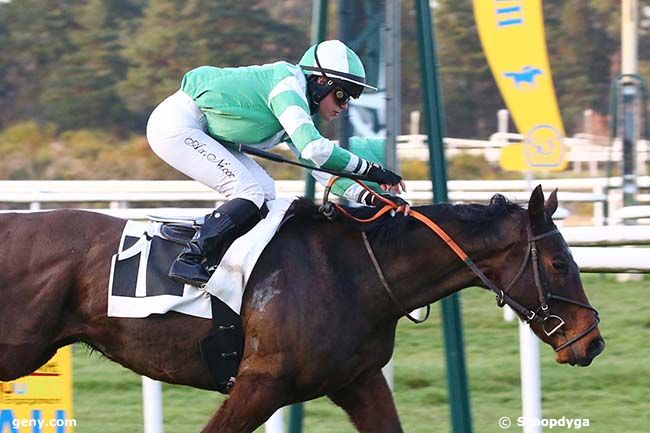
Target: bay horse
319 316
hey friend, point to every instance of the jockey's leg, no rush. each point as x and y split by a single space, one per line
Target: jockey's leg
262 178
369 403
252 401
210 243
176 133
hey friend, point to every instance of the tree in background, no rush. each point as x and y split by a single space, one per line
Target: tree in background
581 54
292 12
244 33
159 52
91 65
88 62
34 37
80 88
27 150
471 98
5 85
178 35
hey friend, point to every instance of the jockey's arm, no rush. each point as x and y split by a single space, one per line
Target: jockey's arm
344 188
292 111
349 189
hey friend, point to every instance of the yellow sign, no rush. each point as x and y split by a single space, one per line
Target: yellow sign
512 35
40 402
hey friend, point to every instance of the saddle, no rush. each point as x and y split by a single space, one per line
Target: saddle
221 350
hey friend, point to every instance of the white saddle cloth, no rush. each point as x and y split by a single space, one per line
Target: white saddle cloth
227 282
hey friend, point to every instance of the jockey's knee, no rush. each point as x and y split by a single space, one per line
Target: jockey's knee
269 193
253 193
267 184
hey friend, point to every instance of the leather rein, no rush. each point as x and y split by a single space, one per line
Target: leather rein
541 315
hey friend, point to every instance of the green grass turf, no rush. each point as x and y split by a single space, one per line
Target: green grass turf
613 393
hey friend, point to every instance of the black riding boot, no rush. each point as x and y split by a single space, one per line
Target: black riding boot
208 246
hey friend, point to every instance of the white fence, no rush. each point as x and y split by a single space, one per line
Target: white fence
118 194
582 150
610 249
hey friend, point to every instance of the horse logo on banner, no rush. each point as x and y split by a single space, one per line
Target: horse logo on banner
525 76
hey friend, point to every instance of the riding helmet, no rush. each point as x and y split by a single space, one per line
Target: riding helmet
341 67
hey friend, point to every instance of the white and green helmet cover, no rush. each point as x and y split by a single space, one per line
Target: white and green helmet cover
337 61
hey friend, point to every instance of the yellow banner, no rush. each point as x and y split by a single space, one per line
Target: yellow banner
512 35
40 402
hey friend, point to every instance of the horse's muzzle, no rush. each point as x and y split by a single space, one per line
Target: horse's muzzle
595 348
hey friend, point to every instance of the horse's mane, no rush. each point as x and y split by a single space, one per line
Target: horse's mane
478 220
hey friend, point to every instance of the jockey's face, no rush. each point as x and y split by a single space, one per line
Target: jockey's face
329 107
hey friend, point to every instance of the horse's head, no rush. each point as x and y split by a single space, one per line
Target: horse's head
548 288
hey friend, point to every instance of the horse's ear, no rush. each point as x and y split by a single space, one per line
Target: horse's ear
536 205
551 203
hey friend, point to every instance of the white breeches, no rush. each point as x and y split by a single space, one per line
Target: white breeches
176 132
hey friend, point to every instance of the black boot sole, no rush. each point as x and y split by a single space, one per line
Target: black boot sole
192 282
186 270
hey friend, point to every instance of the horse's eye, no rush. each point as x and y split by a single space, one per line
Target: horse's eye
560 265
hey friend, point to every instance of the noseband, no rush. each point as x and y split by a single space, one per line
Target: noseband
542 314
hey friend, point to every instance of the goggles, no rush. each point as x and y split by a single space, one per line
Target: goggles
341 97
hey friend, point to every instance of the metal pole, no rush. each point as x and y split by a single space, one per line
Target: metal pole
529 364
453 334
392 40
346 22
296 415
629 26
629 141
275 424
531 383
318 32
503 118
152 405
629 44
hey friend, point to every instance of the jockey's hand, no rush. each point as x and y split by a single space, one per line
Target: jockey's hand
388 180
402 204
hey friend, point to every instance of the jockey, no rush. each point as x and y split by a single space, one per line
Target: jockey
197 129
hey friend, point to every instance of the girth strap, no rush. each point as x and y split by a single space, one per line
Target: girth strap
222 349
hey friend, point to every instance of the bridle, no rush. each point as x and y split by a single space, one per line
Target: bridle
541 315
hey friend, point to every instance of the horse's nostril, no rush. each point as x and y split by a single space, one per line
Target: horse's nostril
596 346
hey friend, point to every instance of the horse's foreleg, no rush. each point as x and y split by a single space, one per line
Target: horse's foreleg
252 401
369 403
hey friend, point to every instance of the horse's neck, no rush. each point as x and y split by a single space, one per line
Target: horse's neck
426 269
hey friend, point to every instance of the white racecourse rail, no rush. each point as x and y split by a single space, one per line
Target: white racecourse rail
116 194
595 249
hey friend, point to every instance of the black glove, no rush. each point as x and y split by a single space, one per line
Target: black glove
377 173
372 200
